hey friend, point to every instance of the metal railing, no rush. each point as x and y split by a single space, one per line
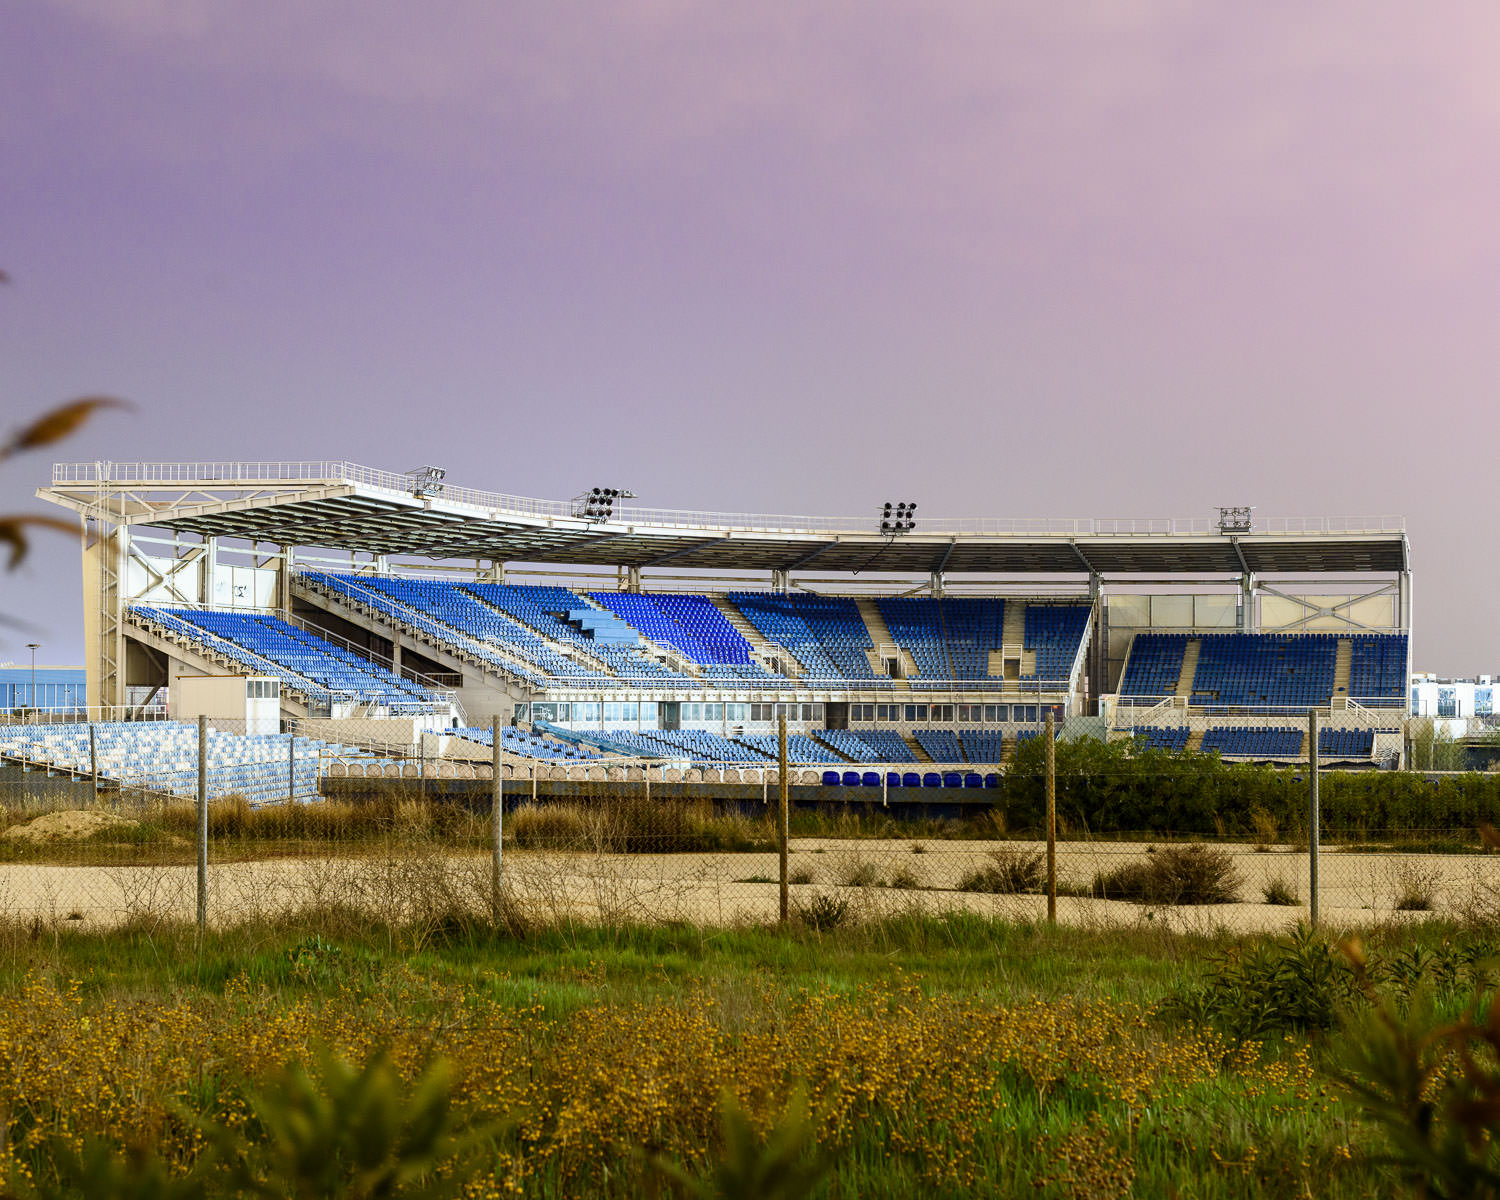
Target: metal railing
330 471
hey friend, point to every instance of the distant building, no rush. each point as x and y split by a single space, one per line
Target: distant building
56 687
1438 696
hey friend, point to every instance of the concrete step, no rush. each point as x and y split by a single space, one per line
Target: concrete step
757 640
880 636
1343 667
1189 668
916 748
1195 740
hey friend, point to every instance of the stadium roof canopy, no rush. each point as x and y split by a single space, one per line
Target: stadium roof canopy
341 505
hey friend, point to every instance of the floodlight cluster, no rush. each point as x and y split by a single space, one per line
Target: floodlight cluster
898 518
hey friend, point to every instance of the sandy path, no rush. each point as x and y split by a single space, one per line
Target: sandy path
1357 888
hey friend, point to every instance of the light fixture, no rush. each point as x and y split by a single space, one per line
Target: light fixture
426 481
598 504
1236 518
898 518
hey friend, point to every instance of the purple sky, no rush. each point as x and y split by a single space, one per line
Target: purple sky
1071 260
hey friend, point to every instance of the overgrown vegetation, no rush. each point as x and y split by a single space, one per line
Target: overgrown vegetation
1008 870
1185 874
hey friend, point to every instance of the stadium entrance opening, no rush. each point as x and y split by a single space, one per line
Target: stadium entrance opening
836 715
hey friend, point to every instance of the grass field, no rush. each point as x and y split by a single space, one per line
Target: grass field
944 1057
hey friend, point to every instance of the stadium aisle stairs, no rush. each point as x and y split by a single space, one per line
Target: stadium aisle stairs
1195 741
1013 643
746 630
916 748
880 635
1189 669
1342 666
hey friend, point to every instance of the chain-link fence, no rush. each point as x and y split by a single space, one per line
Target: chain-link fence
108 822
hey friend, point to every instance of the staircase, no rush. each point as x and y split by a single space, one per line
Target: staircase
1190 654
758 643
916 748
1013 652
1342 666
880 636
1195 740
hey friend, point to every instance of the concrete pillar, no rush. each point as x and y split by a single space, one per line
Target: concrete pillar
633 579
287 566
781 581
1247 602
210 570
935 584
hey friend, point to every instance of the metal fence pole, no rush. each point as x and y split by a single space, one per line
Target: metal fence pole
497 788
94 759
291 768
785 823
1051 821
1312 814
202 824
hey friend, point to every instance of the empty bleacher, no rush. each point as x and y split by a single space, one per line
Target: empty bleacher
1171 738
1253 742
162 756
1054 634
942 745
1346 743
824 633
982 745
297 653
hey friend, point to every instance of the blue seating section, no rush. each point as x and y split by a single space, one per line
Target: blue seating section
888 745
1155 665
526 745
1277 670
948 638
1235 741
162 756
455 608
941 745
982 745
688 623
825 634
1055 633
1346 743
338 671
1171 738
707 747
799 748
354 589
1377 669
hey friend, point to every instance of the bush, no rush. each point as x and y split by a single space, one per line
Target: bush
1415 886
1009 871
1190 874
1278 891
1297 982
862 873
823 912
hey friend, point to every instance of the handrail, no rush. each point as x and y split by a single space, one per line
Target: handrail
333 472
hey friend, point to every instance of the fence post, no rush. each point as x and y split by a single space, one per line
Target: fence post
94 759
202 824
1051 821
497 788
784 824
1312 814
291 768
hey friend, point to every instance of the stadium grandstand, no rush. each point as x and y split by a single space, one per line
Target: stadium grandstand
683 637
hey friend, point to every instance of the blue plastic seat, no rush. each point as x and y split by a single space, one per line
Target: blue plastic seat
953 779
871 779
973 780
911 779
830 779
851 778
932 779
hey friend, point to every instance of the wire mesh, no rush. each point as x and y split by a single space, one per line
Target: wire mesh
392 819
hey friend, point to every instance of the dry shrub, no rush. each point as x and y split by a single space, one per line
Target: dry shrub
1415 886
1009 871
1278 891
1190 874
861 873
635 825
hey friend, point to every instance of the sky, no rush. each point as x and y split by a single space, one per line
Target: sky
1077 260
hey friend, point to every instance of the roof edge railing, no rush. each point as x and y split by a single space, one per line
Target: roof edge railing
494 504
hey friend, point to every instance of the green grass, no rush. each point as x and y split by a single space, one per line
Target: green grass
1058 1122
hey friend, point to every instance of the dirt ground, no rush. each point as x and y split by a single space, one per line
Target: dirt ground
876 877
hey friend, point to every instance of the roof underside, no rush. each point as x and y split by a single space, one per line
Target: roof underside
339 514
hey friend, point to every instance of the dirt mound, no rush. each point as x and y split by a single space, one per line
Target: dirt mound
70 826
